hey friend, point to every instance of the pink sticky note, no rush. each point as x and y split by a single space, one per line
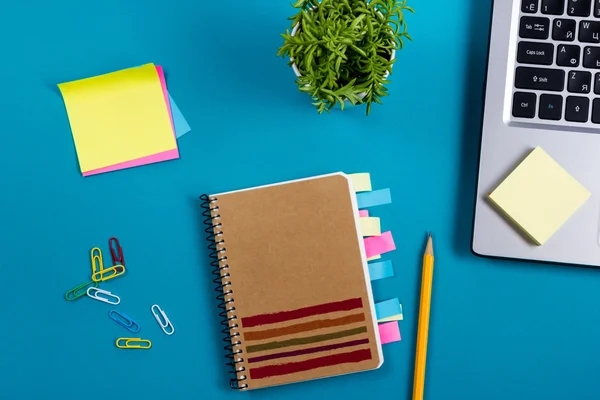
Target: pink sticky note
154 158
363 213
377 245
389 332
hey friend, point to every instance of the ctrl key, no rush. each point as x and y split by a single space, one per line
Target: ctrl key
524 105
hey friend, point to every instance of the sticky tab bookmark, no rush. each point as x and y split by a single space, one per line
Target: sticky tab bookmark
388 308
377 257
381 270
370 226
363 213
361 182
397 317
389 332
374 198
377 245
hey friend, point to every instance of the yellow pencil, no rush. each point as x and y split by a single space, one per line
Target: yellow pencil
423 332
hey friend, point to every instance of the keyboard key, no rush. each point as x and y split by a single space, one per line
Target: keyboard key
577 109
579 8
534 28
591 57
529 6
524 105
579 82
589 31
540 79
564 29
567 55
535 53
597 8
553 7
550 107
597 83
596 111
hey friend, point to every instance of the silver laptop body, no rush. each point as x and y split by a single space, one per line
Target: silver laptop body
542 89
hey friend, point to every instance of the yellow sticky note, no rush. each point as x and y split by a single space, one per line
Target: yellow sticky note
398 317
118 117
374 258
370 226
539 196
361 182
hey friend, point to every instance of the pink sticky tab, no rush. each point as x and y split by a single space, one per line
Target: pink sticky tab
363 213
389 332
377 245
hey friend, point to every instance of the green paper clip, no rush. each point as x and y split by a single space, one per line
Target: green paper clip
73 295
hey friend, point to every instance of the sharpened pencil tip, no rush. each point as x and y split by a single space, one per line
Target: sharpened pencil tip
429 247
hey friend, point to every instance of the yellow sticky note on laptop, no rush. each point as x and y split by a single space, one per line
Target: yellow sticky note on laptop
539 196
118 117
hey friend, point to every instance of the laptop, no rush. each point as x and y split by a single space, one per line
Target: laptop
542 89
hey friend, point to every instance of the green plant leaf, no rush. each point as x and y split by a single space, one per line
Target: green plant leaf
342 49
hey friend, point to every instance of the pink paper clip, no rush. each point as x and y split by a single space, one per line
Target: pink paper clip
117 256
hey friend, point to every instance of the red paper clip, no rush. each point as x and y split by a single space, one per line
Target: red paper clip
116 260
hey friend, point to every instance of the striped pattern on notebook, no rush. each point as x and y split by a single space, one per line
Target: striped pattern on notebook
275 341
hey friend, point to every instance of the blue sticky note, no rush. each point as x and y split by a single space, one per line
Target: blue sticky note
381 270
387 308
181 125
374 198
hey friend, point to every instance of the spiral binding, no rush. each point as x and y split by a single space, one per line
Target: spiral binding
224 290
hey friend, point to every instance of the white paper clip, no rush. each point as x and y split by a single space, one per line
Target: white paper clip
93 293
163 324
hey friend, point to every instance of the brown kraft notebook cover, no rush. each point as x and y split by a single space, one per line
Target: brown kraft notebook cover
296 293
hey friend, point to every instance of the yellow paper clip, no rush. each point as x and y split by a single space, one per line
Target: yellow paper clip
116 270
97 265
142 343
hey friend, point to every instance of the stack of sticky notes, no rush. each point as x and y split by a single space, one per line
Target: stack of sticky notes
539 196
377 243
123 119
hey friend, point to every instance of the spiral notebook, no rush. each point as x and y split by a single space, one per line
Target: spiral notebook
294 281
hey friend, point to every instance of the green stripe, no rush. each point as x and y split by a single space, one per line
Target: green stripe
306 340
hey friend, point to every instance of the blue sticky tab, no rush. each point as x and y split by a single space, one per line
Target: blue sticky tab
179 122
387 309
381 270
374 198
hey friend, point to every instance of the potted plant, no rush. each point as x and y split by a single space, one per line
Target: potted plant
343 50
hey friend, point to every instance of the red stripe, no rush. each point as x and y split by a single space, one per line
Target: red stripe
264 319
326 361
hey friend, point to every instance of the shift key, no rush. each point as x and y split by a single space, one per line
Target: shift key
540 79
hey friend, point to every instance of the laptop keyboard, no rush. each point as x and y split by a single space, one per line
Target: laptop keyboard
557 74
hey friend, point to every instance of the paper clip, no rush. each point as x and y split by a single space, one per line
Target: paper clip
146 343
117 270
163 325
97 265
93 293
116 255
73 295
124 321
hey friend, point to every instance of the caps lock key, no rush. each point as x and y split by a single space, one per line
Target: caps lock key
535 53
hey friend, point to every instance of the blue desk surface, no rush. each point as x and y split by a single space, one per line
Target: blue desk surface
499 330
